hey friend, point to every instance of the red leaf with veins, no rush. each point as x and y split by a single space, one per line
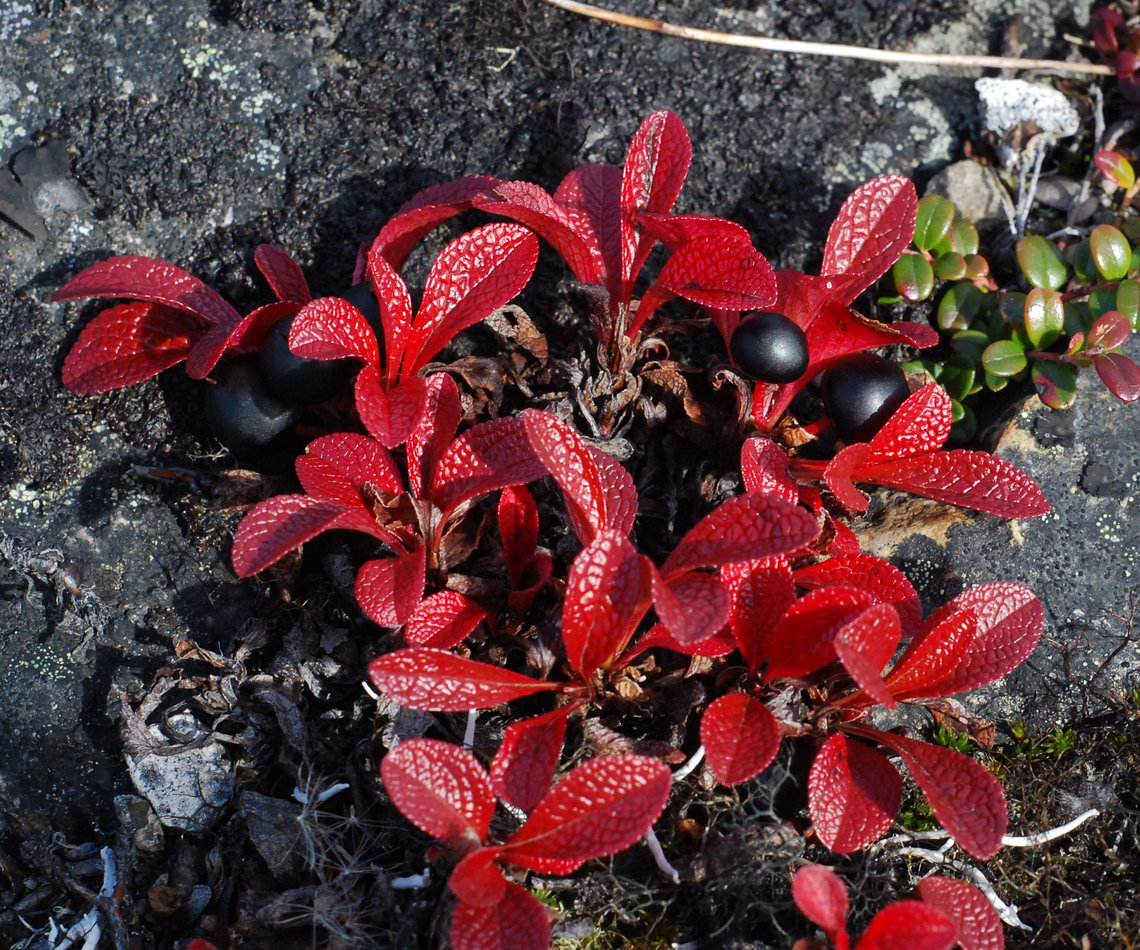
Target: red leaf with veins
278 525
441 789
872 574
145 278
423 212
603 806
1010 619
600 607
866 645
523 768
758 594
764 468
335 467
933 654
444 620
127 344
853 794
653 174
329 328
921 424
395 311
840 473
282 273
822 898
741 737
247 333
439 418
693 607
1120 375
389 589
518 922
485 458
977 924
804 638
391 414
908 925
477 880
518 528
438 681
964 797
872 229
743 528
473 276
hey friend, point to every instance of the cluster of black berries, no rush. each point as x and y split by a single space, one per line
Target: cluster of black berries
256 397
860 392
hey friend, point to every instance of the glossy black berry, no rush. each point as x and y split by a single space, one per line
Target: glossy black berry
860 393
293 378
770 348
244 415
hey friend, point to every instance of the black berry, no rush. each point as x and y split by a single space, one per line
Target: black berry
860 393
770 348
244 415
293 378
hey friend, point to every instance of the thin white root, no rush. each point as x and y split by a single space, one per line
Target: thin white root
469 732
1007 912
1032 841
659 856
413 882
694 761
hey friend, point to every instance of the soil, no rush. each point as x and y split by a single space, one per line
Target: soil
251 812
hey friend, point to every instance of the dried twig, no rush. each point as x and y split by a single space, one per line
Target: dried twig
836 50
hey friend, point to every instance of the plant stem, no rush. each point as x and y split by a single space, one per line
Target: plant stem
944 60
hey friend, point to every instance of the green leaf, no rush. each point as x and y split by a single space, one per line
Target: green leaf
1083 264
958 377
1056 383
1004 358
930 367
970 343
1116 168
965 424
1101 302
950 266
913 276
1044 317
1111 252
976 267
959 306
1132 230
1012 307
964 237
932 224
1041 262
1077 318
1128 301
995 384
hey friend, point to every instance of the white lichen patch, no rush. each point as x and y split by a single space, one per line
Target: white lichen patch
43 663
16 16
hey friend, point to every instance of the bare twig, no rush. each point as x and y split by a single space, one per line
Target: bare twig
802 47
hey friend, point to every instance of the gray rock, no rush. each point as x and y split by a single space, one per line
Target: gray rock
974 189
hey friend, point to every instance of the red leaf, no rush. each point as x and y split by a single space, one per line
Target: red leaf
865 645
477 881
127 344
653 173
873 575
822 898
603 806
331 329
964 797
517 922
920 424
389 415
335 467
599 492
278 525
977 924
423 212
388 589
145 278
599 611
962 477
871 231
741 737
693 607
523 768
518 528
439 418
908 925
841 472
764 468
438 681
443 620
246 334
804 640
1120 375
395 311
1009 624
933 654
473 276
759 592
743 528
282 273
485 458
441 789
853 794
